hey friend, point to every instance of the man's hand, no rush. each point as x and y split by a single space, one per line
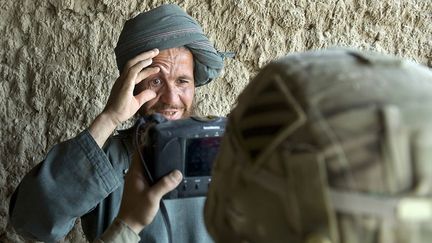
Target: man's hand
122 103
140 202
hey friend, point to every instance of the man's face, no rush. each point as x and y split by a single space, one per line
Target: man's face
174 84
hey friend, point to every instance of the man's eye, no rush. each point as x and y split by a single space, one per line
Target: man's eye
183 81
155 82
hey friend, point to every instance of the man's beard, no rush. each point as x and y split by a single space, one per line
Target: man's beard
162 106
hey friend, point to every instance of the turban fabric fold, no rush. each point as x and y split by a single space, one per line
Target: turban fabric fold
165 27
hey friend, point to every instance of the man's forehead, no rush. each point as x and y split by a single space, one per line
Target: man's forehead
178 60
175 51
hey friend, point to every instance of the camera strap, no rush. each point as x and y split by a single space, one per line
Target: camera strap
166 219
139 125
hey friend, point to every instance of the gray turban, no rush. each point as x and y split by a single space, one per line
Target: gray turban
164 27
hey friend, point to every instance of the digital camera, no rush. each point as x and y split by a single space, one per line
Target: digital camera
189 145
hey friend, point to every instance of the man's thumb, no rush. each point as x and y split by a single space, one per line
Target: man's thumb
167 183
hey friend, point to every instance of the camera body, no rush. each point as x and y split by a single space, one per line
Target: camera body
189 145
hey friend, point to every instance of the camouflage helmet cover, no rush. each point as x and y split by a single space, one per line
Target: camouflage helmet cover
332 146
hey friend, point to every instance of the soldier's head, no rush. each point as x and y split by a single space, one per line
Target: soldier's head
327 146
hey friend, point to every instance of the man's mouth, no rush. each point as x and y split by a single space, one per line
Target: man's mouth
170 114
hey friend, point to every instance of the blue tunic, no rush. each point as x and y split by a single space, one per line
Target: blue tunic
78 179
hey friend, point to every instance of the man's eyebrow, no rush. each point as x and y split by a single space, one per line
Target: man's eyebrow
185 77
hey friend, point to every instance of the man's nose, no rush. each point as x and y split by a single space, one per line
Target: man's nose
169 95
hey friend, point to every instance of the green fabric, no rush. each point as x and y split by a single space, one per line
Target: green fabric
327 133
164 27
118 232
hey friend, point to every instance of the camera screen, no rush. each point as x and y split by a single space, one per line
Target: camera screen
200 153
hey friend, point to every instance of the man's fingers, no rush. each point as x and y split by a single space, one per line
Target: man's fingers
145 73
131 78
139 66
145 96
141 57
166 184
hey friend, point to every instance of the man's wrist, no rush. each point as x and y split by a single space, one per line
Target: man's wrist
102 127
109 117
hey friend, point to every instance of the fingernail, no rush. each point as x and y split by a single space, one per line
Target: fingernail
155 50
176 175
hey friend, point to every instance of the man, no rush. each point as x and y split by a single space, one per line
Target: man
162 56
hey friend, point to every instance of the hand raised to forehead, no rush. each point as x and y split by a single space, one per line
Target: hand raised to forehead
122 104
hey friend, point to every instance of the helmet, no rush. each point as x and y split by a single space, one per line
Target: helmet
327 146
